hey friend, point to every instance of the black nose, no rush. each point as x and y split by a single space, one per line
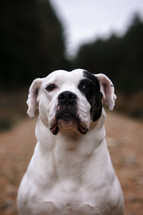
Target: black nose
67 98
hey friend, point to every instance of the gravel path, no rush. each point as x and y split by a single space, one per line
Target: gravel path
125 141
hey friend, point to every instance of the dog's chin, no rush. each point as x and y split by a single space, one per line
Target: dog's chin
68 123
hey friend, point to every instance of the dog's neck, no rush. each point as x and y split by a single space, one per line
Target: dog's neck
72 156
70 140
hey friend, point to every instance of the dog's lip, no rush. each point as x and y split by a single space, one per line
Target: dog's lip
55 128
82 129
67 119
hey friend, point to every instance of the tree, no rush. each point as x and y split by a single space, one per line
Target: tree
118 57
31 41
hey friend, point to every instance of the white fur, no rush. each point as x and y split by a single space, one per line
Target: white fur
69 173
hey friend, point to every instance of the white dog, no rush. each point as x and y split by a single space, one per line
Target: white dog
70 172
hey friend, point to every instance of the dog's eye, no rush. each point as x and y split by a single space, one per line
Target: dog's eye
86 85
50 87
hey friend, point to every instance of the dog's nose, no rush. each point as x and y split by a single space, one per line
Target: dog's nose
67 98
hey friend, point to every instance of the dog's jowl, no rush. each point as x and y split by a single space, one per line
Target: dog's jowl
70 172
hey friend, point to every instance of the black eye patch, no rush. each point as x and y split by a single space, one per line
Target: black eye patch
90 77
85 86
90 87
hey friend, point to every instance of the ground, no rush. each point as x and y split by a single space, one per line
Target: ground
125 142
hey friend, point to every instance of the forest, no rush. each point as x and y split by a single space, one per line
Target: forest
33 44
121 58
31 41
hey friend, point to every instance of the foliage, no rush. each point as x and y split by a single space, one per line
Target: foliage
118 57
31 41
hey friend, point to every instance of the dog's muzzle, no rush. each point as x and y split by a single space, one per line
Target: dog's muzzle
67 113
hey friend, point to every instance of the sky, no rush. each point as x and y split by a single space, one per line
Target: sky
87 20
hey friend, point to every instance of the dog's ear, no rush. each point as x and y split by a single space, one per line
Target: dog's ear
32 97
107 89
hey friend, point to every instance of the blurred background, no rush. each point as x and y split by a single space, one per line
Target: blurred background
40 36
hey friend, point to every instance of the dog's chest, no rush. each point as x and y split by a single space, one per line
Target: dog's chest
72 188
70 198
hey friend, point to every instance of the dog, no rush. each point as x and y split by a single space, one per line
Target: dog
70 172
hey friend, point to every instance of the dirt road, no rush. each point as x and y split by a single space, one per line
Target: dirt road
125 141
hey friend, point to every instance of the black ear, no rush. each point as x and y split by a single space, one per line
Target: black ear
107 89
32 97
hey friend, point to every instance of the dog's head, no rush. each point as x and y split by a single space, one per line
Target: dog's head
70 100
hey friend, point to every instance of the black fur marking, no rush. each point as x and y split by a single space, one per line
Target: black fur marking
90 87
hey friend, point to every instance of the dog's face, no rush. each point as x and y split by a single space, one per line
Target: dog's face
70 100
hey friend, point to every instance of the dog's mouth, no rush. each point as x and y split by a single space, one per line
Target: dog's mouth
67 120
